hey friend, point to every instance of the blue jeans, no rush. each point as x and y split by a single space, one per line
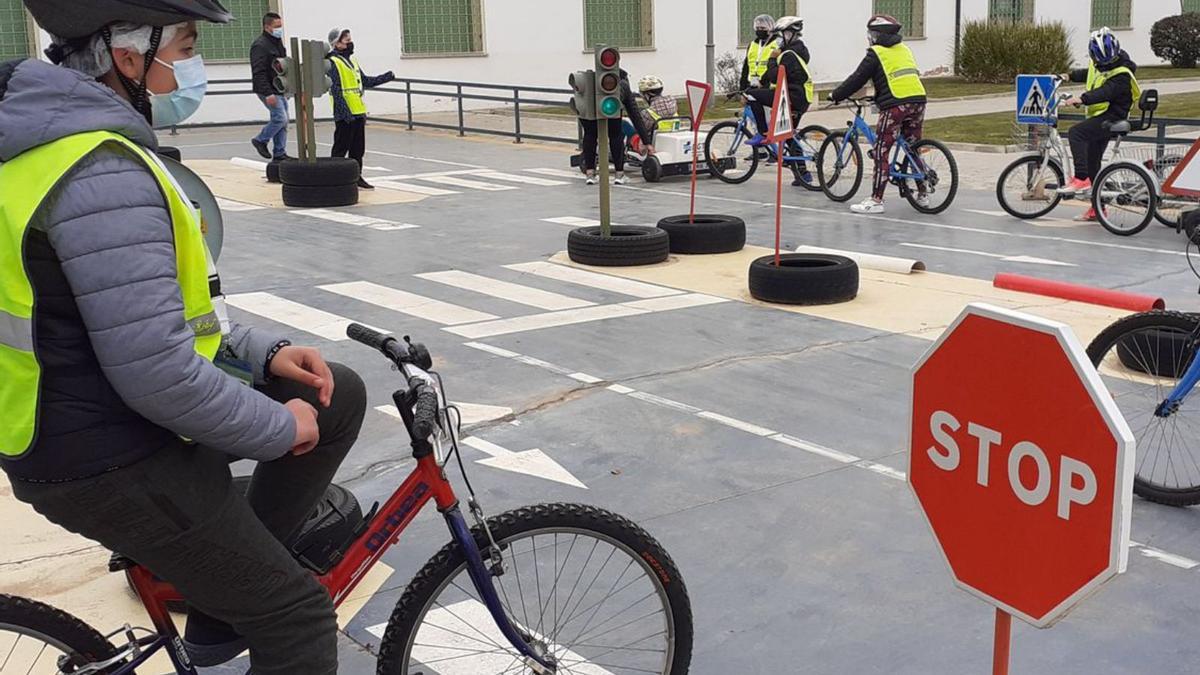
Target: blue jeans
276 129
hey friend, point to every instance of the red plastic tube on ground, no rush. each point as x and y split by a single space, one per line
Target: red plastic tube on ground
1133 302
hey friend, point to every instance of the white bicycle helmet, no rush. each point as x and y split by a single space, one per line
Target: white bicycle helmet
882 24
650 83
792 23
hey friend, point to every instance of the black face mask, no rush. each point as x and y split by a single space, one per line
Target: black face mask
763 34
348 49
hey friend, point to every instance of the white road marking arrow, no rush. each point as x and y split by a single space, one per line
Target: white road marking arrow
529 462
999 256
472 413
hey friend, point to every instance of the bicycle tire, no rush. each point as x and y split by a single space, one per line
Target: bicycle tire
397 643
911 194
714 162
1134 332
1055 198
1100 206
66 633
804 134
828 179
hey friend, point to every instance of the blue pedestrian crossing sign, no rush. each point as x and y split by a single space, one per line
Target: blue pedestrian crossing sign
1035 98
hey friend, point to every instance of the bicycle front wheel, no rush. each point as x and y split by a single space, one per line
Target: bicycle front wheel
37 639
809 140
1140 359
839 167
938 185
1124 197
589 587
730 157
1029 189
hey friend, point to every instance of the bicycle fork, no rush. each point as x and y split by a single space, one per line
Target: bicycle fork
1191 377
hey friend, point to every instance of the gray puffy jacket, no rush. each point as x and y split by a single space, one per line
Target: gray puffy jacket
120 375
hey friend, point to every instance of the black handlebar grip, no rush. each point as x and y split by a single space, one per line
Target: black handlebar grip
425 413
371 338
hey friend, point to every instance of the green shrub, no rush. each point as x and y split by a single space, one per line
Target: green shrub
995 51
1177 39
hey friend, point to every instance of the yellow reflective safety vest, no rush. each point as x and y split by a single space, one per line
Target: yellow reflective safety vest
757 56
1096 79
809 91
25 182
350 76
903 76
660 123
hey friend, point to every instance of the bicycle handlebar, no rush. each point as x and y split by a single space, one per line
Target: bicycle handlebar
413 360
385 344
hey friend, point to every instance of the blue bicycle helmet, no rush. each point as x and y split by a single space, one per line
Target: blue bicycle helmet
1104 47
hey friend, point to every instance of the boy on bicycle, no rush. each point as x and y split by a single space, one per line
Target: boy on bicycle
793 57
899 94
1112 89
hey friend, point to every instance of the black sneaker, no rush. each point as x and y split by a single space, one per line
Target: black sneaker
364 185
261 147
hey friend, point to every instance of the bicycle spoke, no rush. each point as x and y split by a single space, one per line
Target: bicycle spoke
37 658
11 650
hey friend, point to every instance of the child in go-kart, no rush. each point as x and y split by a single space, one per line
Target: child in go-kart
658 112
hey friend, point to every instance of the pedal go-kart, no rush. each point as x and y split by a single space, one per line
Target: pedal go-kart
672 153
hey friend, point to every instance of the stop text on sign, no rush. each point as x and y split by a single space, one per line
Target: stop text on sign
1076 481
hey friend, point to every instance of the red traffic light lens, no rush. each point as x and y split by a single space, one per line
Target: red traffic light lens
609 82
609 58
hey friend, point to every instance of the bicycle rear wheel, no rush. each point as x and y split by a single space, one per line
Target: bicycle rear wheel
586 585
1027 189
1140 359
839 167
940 184
37 639
730 157
809 140
1124 198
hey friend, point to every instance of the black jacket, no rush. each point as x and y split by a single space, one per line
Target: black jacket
1116 91
631 108
263 52
796 75
871 70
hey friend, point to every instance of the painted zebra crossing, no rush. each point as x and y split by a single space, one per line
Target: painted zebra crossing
442 183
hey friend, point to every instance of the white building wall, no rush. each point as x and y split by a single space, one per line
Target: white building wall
538 42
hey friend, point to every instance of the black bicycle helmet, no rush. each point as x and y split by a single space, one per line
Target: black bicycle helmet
73 19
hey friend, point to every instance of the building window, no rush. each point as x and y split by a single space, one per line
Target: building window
442 27
1190 6
620 23
748 9
230 42
910 13
1111 13
14 31
1010 11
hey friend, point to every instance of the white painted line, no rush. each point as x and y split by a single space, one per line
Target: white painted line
585 378
354 219
524 295
512 177
998 256
469 184
408 303
491 349
414 157
248 163
882 469
664 402
572 221
994 214
544 365
539 321
408 187
1162 556
577 175
308 319
830 453
675 302
737 424
621 389
377 168
231 205
604 282
407 176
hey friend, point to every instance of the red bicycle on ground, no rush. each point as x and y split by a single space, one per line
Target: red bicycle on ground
552 588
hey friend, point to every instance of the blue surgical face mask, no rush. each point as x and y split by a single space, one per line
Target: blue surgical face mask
277 32
174 107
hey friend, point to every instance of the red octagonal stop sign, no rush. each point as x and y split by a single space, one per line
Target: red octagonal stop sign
1021 462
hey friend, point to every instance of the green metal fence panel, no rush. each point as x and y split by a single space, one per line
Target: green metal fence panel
14 30
911 14
1010 11
621 23
1111 13
231 42
748 9
442 26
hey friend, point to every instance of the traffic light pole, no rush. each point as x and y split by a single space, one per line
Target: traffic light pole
602 160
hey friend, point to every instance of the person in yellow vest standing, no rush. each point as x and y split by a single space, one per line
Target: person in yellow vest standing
1112 90
125 388
758 53
349 109
890 66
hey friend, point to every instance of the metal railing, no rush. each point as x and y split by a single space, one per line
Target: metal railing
460 91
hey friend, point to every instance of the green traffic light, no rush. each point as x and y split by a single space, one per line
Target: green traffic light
610 106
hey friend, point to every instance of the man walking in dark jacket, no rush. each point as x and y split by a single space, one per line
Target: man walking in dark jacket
349 110
263 52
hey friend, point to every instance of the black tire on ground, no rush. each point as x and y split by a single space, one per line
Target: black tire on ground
709 233
308 196
628 245
82 643
326 171
804 279
1027 166
652 169
273 172
507 527
170 151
